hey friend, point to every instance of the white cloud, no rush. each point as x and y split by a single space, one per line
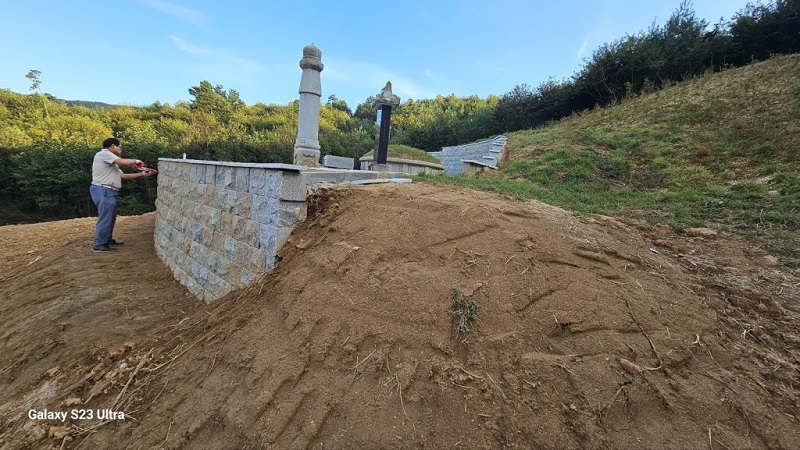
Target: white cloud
436 77
181 13
582 50
369 79
219 58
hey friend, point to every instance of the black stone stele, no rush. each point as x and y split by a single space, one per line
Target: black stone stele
383 139
385 102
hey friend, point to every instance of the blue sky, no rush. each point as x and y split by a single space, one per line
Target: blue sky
136 52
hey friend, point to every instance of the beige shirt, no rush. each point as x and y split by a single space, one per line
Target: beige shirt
104 171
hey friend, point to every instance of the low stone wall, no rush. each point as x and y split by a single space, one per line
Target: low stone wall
488 152
406 166
220 225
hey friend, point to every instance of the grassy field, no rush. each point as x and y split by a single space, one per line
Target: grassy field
720 151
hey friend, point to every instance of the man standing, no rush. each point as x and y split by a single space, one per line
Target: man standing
106 182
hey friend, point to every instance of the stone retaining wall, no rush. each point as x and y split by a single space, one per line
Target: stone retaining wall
488 152
220 225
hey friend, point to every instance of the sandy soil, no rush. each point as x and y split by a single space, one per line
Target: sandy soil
590 332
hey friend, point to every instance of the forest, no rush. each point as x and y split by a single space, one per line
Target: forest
47 145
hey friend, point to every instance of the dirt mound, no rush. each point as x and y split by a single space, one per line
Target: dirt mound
589 332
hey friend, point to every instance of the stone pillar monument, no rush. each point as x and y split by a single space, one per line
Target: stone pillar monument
385 102
306 147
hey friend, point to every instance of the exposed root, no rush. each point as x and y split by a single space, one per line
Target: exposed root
133 375
652 346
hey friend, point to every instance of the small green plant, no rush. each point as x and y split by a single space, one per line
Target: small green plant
465 314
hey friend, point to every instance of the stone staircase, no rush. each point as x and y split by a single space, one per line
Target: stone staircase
485 153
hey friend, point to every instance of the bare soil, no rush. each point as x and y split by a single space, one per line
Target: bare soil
591 332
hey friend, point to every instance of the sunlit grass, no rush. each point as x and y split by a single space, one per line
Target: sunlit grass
721 151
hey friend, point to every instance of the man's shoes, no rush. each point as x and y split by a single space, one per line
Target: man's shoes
103 248
115 242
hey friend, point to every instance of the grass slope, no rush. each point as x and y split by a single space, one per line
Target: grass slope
719 151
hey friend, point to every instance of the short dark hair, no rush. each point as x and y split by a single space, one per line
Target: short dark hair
110 141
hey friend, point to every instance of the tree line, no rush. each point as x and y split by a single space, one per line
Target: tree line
684 47
46 145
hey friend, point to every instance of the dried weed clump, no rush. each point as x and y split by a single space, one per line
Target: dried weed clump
465 313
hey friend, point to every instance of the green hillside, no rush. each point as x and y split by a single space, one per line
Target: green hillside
719 151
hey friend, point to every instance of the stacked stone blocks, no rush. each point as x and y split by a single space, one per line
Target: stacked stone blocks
487 152
220 225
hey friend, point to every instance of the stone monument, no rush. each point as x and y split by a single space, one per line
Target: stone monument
385 102
306 147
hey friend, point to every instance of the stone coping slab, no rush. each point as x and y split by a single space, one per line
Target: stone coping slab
405 161
273 166
382 180
335 170
285 167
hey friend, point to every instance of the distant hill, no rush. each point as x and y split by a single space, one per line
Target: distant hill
87 104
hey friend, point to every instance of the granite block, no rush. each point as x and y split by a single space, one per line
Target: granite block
244 204
241 179
257 180
224 177
248 278
229 247
210 175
